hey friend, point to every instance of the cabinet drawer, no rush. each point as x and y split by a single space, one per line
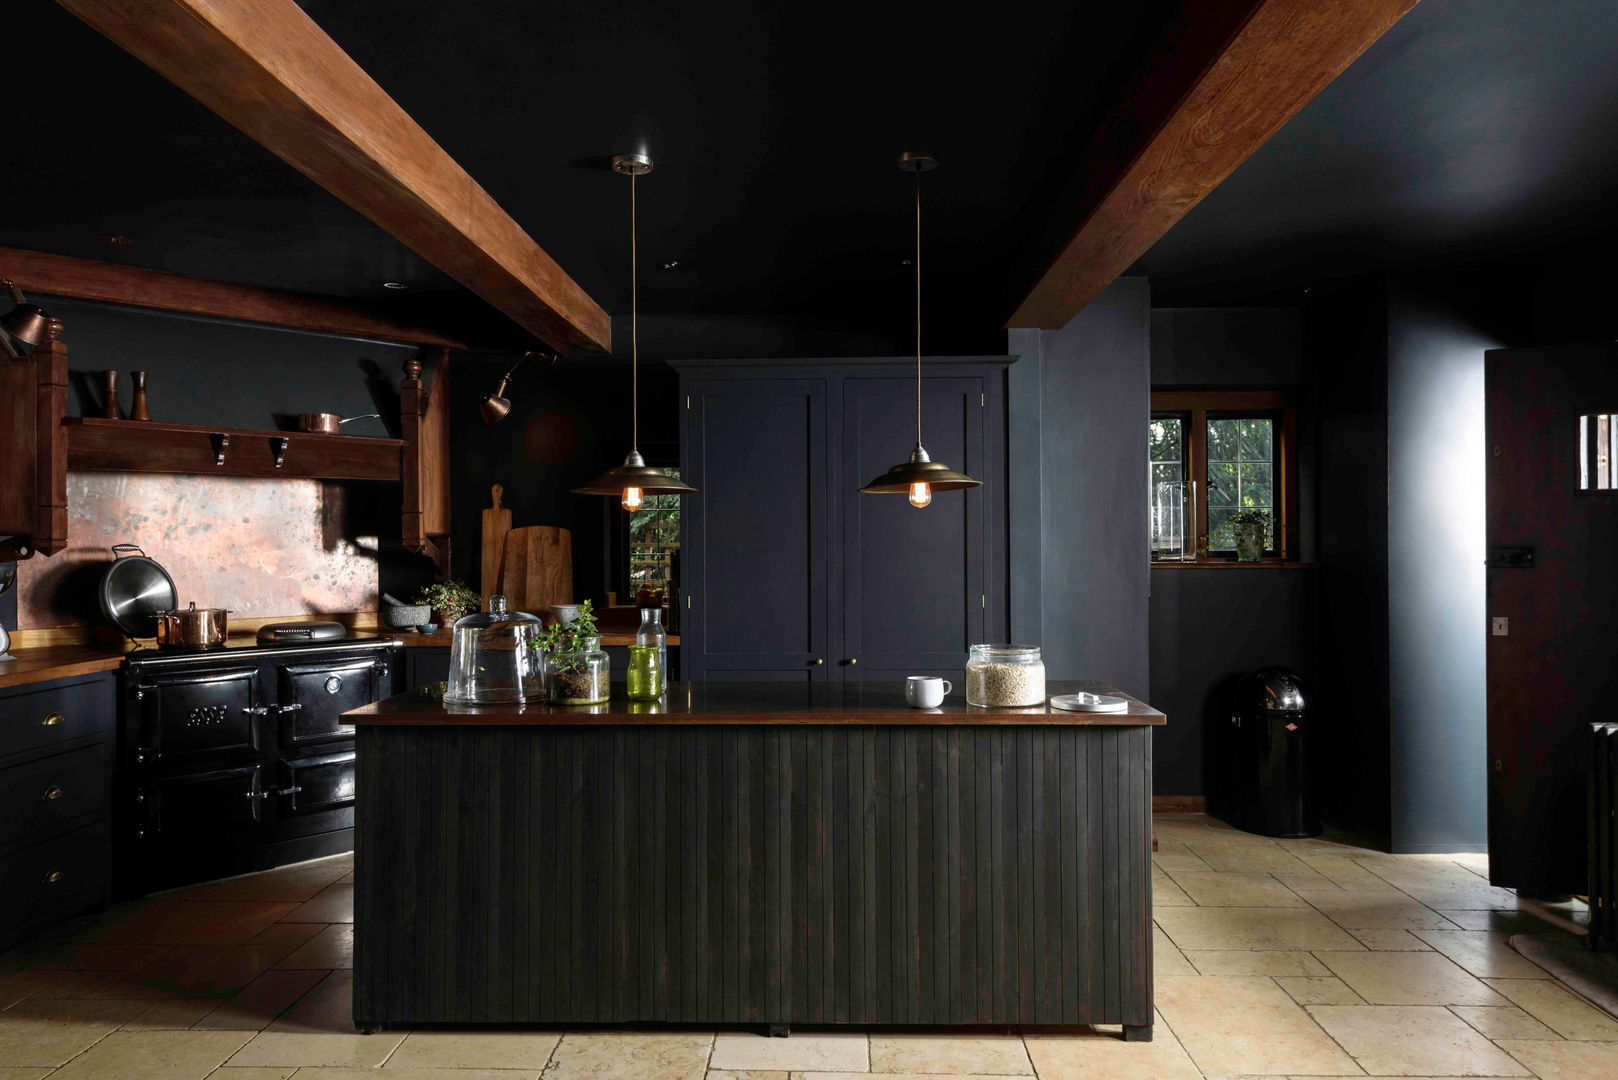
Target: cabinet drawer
33 719
38 879
51 790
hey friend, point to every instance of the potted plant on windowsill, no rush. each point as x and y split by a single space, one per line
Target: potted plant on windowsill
577 671
451 601
1251 529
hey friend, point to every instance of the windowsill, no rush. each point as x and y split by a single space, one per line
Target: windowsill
1233 564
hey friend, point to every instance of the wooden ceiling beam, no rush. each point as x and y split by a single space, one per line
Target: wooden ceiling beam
87 279
268 69
1221 80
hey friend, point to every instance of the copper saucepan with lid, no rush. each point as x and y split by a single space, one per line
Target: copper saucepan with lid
193 628
327 423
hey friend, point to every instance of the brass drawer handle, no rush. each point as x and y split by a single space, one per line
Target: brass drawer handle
52 792
51 719
53 877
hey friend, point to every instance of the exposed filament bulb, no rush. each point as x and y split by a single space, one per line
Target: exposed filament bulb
920 495
633 498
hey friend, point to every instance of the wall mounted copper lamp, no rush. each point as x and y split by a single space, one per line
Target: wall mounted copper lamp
632 481
496 407
25 322
919 476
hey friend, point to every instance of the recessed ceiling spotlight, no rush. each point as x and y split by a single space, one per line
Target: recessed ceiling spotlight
670 265
116 240
394 285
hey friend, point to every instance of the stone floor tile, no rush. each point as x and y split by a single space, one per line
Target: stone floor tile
1166 959
23 1074
1508 922
726 1074
94 956
171 1014
1484 953
61 985
17 985
301 1049
1565 1060
1318 990
1255 962
258 1003
999 1054
1408 978
328 1009
1413 1040
1252 928
186 922
1376 911
265 1072
1508 1022
630 1055
1211 889
201 971
153 1055
1390 940
333 904
1345 873
284 933
732 1074
1165 893
806 1053
1558 1008
1178 857
1304 879
1249 855
1107 1057
390 1073
1473 895
49 1033
298 882
333 947
1233 1025
475 1050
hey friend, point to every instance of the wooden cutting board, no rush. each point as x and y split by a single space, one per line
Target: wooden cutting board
537 570
496 524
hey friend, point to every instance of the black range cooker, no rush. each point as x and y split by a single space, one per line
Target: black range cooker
233 759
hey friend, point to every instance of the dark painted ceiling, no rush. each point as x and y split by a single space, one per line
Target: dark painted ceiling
775 128
1473 131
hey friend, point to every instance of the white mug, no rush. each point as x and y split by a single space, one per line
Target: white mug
926 691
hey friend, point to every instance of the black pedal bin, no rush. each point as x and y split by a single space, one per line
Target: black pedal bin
1273 790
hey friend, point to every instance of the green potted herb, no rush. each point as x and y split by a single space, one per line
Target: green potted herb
577 671
1251 528
450 601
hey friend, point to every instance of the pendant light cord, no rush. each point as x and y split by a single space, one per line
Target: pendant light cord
918 307
634 322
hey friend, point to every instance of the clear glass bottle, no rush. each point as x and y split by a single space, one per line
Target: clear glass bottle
580 676
651 633
645 676
493 658
1004 676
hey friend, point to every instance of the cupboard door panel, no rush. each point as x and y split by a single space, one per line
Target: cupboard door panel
914 588
757 534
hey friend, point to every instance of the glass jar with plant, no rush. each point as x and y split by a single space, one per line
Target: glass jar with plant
577 671
1251 528
451 601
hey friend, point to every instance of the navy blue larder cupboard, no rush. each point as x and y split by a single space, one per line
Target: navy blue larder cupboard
788 572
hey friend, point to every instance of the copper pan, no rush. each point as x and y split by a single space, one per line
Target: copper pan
326 423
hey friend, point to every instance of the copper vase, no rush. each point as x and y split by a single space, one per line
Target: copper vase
109 396
137 409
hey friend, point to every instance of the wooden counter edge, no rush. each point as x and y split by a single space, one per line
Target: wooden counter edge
55 662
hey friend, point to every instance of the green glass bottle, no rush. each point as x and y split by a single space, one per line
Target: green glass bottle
645 673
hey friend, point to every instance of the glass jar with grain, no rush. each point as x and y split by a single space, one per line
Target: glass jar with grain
1003 676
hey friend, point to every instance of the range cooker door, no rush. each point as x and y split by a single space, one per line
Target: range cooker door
316 794
313 694
188 715
197 806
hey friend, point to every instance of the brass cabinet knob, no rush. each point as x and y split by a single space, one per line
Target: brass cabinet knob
851 661
53 877
817 661
52 792
51 719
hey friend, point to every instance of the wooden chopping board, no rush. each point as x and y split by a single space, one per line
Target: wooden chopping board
537 570
496 524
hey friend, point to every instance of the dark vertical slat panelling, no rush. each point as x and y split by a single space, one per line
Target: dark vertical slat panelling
947 872
1070 840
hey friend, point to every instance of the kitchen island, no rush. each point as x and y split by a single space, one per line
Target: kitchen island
753 853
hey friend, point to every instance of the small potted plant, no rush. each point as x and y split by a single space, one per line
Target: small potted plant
1251 528
577 671
450 601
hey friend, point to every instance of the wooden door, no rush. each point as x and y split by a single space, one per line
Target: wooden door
1552 672
756 538
914 586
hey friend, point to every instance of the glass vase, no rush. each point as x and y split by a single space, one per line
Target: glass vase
579 677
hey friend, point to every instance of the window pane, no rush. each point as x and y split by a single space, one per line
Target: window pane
1241 475
1165 440
1222 487
1224 440
654 537
1257 439
1257 486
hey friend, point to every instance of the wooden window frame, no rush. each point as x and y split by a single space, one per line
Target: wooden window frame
1198 406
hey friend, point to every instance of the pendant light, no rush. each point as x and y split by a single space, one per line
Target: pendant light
920 476
632 481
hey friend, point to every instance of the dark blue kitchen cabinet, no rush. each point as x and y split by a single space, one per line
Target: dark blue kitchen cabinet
789 572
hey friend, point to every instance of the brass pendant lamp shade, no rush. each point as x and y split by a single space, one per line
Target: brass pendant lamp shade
25 322
632 481
921 475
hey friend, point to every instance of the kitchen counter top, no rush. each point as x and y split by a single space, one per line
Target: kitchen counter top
55 662
715 703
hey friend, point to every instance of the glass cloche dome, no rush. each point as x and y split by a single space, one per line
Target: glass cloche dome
494 658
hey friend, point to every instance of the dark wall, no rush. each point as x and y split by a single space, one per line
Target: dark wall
1223 346
1093 393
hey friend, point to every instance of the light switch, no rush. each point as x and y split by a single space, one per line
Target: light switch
1499 627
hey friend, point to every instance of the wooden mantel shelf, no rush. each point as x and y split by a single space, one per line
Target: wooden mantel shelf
95 444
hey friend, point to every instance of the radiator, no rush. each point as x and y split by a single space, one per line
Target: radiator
1603 843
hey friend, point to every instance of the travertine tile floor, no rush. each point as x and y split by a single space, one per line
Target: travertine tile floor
1285 958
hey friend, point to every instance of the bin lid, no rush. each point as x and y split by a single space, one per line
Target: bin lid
1273 689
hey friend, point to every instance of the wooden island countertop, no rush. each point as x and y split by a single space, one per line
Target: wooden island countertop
723 703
